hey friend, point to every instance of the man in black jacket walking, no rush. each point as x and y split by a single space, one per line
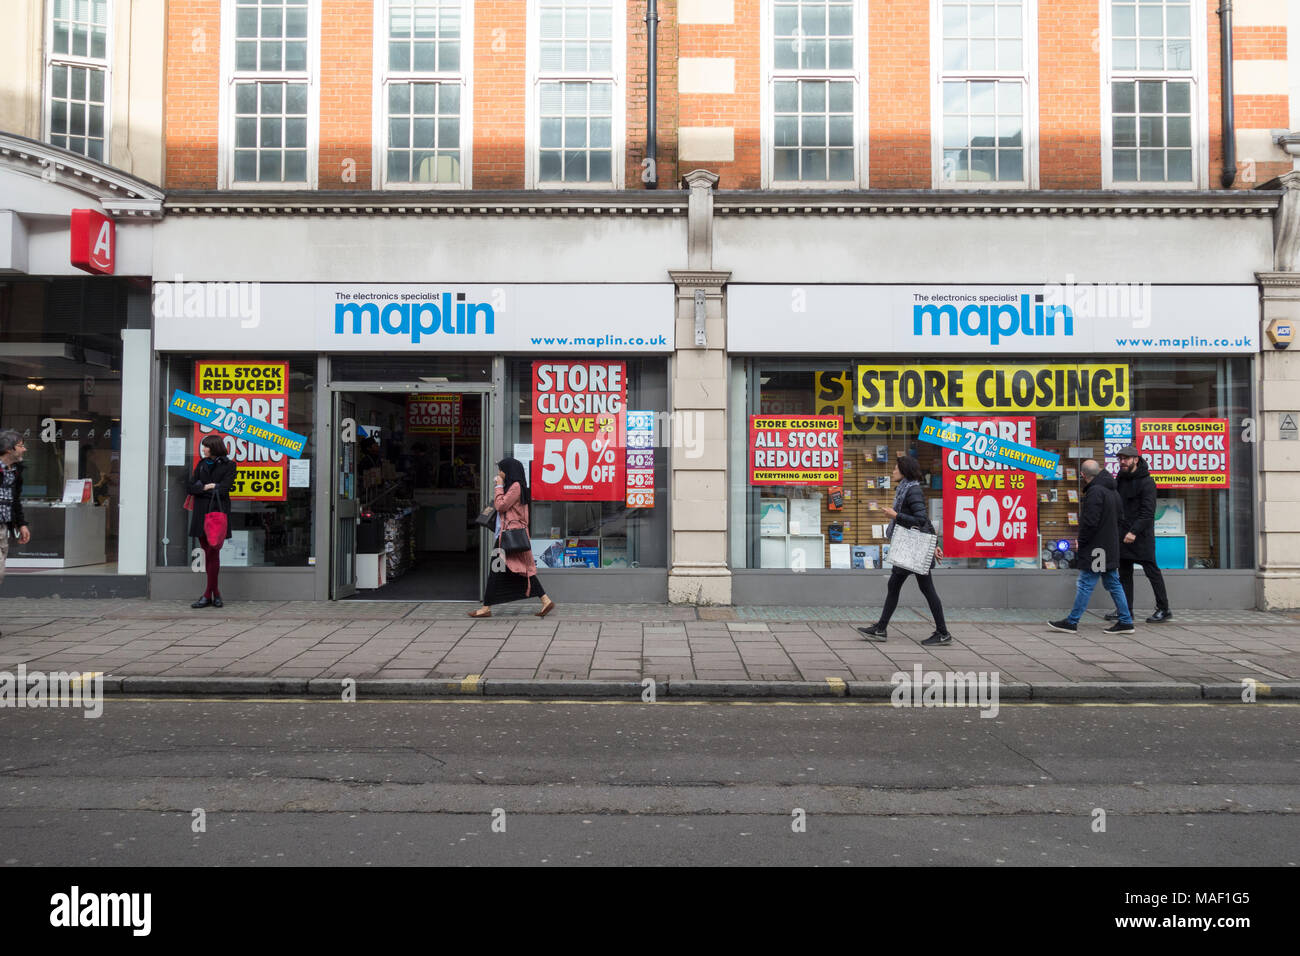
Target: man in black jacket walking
12 519
1137 489
1098 550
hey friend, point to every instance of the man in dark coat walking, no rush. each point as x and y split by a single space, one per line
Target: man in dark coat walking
1098 550
1137 489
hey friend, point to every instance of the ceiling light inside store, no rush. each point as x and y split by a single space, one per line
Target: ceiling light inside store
36 385
435 378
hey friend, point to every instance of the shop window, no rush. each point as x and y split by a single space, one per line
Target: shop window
423 88
986 93
1201 522
1153 89
813 83
77 74
270 89
272 514
578 90
600 529
61 390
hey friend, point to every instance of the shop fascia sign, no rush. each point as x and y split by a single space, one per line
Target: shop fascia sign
420 317
1053 318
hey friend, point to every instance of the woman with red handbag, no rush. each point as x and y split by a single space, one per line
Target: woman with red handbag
518 579
210 520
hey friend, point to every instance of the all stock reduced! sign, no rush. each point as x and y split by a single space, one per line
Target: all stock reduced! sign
796 449
990 508
259 392
1186 452
577 416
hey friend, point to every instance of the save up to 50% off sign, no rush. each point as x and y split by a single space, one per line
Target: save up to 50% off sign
577 408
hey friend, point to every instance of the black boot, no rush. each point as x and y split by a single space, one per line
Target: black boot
876 632
216 601
204 601
1162 614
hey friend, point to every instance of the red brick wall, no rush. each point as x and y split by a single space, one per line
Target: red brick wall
898 110
500 79
741 110
666 105
1069 94
347 64
190 86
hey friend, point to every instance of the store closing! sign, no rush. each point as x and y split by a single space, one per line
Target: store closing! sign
908 389
260 391
577 411
433 414
796 450
990 510
1186 452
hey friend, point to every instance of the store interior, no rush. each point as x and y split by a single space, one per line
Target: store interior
415 473
61 389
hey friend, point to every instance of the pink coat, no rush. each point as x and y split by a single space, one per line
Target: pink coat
514 514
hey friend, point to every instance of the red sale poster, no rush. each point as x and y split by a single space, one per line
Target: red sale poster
577 413
990 510
1186 452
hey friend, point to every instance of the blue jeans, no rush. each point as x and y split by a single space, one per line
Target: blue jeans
1087 582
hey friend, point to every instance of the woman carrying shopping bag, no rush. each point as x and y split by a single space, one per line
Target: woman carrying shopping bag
910 511
209 486
519 578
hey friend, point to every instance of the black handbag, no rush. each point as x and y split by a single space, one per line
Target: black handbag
515 539
487 518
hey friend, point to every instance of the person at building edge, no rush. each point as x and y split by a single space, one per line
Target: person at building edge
909 511
213 477
12 449
1098 551
1137 526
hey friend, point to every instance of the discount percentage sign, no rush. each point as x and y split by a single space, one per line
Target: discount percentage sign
1015 526
604 451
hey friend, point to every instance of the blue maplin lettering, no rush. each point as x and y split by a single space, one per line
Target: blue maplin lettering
993 321
414 319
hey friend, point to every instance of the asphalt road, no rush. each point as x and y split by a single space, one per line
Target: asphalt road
528 782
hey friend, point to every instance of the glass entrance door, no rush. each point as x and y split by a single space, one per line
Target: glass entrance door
346 514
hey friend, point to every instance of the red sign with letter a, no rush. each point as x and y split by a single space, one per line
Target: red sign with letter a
94 241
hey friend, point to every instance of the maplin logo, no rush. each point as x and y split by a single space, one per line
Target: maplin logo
415 318
990 316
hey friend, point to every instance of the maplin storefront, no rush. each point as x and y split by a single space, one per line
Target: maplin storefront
410 349
640 352
1075 325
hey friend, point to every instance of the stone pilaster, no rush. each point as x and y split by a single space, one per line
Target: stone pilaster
698 457
1278 577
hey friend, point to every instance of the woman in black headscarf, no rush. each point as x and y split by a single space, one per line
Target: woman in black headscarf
519 578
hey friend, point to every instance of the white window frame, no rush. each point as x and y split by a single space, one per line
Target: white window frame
1028 74
532 109
379 119
226 101
858 74
67 59
1200 103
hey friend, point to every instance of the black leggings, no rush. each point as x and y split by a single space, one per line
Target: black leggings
926 584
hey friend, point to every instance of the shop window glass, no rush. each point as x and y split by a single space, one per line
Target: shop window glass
61 390
599 533
1197 527
272 520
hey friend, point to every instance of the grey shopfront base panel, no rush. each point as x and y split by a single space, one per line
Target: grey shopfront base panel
237 584
607 586
996 588
74 585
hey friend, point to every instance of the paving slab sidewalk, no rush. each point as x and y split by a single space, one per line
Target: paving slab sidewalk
747 651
